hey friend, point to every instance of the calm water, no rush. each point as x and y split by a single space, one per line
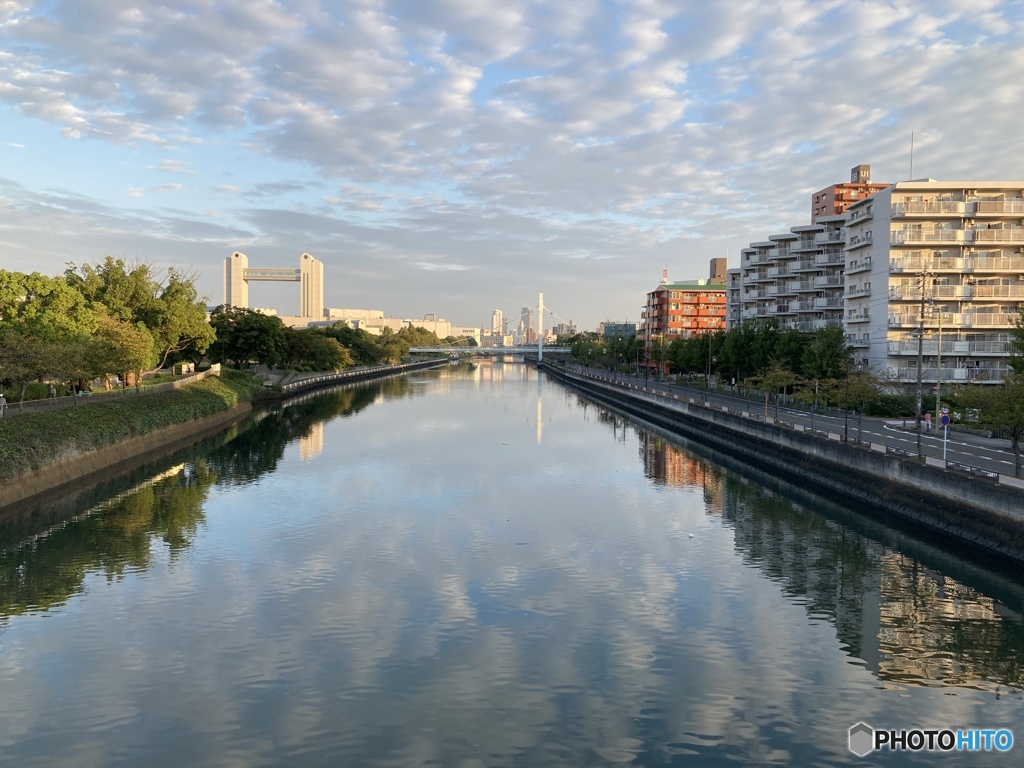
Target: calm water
476 568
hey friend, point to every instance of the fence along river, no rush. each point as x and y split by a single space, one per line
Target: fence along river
475 566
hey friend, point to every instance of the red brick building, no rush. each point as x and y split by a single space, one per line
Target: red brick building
834 200
681 310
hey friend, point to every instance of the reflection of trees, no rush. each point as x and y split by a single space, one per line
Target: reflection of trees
910 624
115 537
259 448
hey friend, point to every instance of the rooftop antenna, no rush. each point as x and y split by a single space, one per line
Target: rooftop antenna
911 156
664 275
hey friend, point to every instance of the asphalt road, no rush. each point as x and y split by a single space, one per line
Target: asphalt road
985 454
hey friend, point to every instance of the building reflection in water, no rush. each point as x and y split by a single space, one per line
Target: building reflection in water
311 444
910 624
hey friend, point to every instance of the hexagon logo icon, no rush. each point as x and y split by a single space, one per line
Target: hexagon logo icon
862 738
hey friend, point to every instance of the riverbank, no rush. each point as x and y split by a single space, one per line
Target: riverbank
56 451
983 513
43 451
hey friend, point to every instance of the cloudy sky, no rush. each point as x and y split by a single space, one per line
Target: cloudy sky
454 156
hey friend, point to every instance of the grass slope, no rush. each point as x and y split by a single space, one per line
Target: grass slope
36 440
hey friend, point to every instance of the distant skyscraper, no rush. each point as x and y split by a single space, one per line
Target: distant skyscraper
496 323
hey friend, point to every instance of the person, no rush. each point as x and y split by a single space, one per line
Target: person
928 422
53 392
3 404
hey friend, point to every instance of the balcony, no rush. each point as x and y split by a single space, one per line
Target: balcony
829 302
950 347
997 291
804 306
831 256
859 342
859 266
913 292
928 208
855 292
788 288
863 316
1004 235
779 271
804 244
916 235
909 374
997 207
990 319
833 237
829 281
859 214
805 265
806 286
779 252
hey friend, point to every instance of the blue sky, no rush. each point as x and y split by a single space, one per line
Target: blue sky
456 156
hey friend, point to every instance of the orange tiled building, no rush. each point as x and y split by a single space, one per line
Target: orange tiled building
684 310
834 200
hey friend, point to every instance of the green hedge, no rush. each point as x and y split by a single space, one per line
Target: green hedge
35 440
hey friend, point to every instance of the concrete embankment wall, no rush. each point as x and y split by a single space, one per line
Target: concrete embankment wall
974 510
87 467
302 386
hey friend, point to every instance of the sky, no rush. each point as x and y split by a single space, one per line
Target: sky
458 156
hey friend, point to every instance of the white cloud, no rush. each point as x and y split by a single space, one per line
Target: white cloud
645 130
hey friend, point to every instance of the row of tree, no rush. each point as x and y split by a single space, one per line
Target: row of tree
125 319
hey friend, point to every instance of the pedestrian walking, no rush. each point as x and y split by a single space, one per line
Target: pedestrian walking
3 404
928 422
53 392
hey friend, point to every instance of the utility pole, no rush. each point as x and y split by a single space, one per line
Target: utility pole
920 360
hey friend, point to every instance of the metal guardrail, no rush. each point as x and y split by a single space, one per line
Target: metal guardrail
103 396
977 472
351 374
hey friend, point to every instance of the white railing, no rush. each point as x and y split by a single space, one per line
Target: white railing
927 207
1010 205
900 236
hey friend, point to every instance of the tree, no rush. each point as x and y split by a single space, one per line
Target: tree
43 308
312 348
169 309
244 336
776 379
1001 407
1017 345
827 356
119 347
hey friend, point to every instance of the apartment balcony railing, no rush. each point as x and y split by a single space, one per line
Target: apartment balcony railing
859 214
805 265
788 288
997 291
859 266
863 316
779 271
951 375
967 264
779 252
828 281
834 236
950 347
913 292
855 292
828 302
988 207
1003 235
806 286
956 320
858 241
804 244
858 341
830 257
805 306
929 208
918 235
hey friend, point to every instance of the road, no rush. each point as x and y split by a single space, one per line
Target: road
986 454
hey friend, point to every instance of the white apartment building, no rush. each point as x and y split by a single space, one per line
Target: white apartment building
796 277
960 247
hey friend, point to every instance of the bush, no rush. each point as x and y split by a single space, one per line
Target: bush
892 406
34 440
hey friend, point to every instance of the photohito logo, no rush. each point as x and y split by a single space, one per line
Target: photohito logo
865 739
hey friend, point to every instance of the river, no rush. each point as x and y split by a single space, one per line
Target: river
473 567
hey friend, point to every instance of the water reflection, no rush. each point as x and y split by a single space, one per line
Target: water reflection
912 624
111 538
424 582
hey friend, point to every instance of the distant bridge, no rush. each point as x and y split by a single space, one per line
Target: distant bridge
489 351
